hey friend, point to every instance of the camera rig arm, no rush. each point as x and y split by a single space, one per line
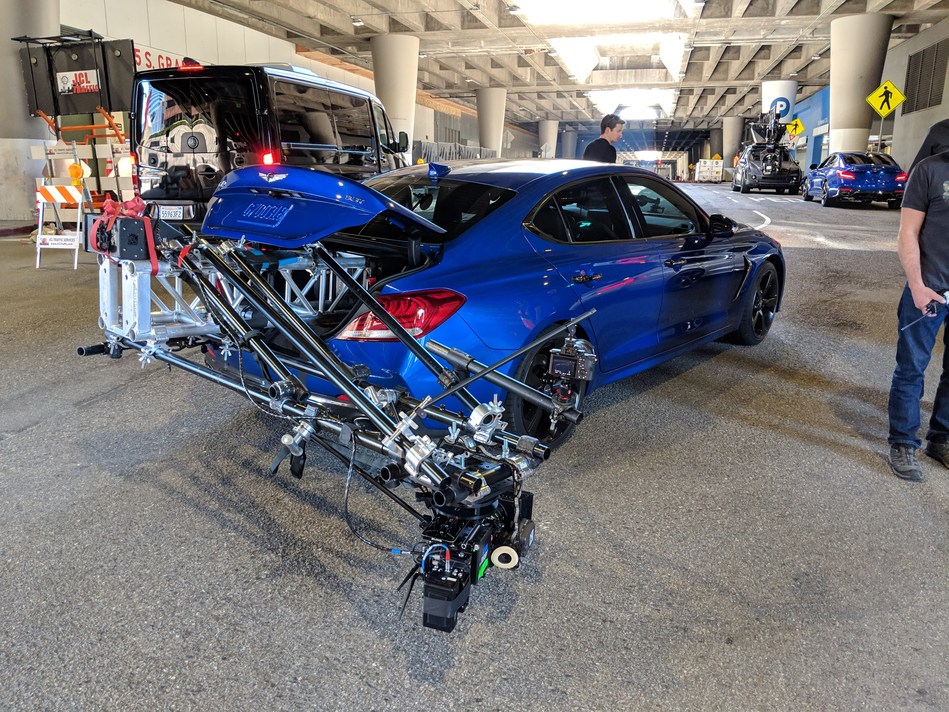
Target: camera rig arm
468 475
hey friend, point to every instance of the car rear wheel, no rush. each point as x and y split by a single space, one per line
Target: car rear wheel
894 204
760 308
524 417
825 198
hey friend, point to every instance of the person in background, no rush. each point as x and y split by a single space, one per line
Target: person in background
611 129
924 254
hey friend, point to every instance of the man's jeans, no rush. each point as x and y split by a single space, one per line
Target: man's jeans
913 351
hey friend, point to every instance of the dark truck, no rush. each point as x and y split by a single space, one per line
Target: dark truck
765 163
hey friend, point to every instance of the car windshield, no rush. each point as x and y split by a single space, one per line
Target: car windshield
868 159
758 152
451 204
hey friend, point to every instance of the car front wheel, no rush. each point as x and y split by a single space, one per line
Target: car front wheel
760 308
524 417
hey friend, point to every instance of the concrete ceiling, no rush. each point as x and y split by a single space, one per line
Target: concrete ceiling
728 48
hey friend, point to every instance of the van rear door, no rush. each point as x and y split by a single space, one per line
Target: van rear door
191 129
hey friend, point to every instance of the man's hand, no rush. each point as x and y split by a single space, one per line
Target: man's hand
923 295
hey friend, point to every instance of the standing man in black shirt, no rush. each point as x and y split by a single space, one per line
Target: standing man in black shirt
611 129
923 249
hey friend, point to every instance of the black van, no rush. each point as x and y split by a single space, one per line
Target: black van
191 125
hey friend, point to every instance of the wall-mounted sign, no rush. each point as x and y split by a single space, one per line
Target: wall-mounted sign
83 82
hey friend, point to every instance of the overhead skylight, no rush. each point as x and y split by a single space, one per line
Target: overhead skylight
635 104
601 12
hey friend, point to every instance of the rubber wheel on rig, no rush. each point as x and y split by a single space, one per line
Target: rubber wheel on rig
760 308
526 418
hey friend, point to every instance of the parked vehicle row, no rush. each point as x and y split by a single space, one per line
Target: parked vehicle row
842 177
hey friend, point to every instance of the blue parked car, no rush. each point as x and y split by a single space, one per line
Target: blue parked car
488 256
856 177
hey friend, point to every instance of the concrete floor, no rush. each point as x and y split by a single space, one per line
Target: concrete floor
721 533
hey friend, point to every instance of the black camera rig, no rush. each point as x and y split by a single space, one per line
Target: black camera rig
183 295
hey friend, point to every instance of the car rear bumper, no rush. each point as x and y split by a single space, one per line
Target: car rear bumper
860 194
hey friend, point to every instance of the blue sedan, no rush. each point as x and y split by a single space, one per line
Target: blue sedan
856 177
489 256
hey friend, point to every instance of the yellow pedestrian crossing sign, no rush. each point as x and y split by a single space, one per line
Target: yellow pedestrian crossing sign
795 127
885 98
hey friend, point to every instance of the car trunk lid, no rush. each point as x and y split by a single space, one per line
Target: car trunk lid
289 207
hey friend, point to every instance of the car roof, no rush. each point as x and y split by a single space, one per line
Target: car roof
515 174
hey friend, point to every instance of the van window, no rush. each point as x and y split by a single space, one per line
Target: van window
193 131
322 127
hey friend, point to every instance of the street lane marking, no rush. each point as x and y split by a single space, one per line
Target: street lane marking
767 220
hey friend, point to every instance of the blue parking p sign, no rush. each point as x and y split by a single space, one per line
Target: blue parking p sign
781 106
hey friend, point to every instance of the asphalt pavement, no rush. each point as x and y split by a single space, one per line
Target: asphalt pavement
721 532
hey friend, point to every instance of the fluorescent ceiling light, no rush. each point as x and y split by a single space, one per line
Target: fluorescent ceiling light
357 22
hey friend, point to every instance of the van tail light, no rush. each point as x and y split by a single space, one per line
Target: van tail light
901 177
268 158
419 312
846 175
133 159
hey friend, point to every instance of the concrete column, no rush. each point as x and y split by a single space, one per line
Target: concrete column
715 143
491 102
780 94
547 135
733 129
568 144
858 45
18 131
395 66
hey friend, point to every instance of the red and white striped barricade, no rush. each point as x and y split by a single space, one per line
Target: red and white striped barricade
66 196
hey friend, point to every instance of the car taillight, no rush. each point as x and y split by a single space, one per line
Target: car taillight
268 159
419 312
901 177
846 175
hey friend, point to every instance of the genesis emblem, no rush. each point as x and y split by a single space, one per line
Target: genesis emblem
272 177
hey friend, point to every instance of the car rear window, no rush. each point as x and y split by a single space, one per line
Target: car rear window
868 159
453 205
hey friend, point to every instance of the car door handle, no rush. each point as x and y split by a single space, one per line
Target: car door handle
674 263
584 278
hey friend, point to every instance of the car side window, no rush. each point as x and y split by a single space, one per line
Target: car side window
663 211
589 212
829 161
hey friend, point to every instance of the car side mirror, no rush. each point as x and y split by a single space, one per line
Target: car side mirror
813 166
720 226
403 142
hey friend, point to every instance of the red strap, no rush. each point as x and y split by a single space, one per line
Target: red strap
184 253
152 252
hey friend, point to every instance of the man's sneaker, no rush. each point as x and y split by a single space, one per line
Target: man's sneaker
939 452
904 464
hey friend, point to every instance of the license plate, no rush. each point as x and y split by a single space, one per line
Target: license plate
171 212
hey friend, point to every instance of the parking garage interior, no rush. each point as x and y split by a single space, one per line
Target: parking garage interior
721 531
